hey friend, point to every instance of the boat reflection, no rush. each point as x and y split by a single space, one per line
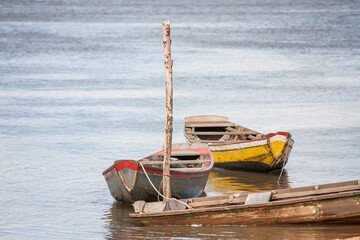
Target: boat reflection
222 181
118 223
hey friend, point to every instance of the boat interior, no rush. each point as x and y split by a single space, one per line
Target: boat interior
214 129
179 159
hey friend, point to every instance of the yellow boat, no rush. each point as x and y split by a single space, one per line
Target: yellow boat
239 148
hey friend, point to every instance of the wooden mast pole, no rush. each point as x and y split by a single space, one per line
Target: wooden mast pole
169 112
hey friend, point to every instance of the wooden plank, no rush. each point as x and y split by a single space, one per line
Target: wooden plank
212 198
290 190
210 124
219 141
222 133
206 118
189 170
251 137
278 196
241 206
322 186
174 162
184 152
221 201
339 184
230 129
211 201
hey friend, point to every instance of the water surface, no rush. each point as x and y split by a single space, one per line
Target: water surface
82 84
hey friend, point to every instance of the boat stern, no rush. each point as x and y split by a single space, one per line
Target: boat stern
280 146
121 179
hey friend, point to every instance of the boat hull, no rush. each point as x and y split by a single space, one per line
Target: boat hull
262 155
128 181
182 185
339 210
328 203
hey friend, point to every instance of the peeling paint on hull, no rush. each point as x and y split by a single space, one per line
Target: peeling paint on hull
314 212
239 148
258 155
128 183
327 203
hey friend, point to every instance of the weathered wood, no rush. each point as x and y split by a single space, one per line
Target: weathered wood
174 162
169 112
231 129
212 198
206 118
216 141
248 152
296 192
127 180
139 206
335 207
260 205
210 124
217 202
185 153
223 133
277 196
251 137
322 186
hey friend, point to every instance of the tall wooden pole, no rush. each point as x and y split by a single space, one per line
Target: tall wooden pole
169 112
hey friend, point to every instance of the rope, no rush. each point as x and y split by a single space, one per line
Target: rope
277 158
284 158
282 169
147 176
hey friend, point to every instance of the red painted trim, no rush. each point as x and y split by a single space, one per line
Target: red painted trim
126 164
119 166
271 135
199 150
131 165
283 133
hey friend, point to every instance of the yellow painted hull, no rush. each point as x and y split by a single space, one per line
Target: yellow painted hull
262 155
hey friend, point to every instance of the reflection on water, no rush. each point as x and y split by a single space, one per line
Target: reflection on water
222 181
118 222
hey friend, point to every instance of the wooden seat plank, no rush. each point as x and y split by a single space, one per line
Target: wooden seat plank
175 162
223 133
210 124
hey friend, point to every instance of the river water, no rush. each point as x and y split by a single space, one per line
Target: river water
82 84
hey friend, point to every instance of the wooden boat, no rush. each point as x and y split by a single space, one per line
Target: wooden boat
327 203
189 170
237 147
